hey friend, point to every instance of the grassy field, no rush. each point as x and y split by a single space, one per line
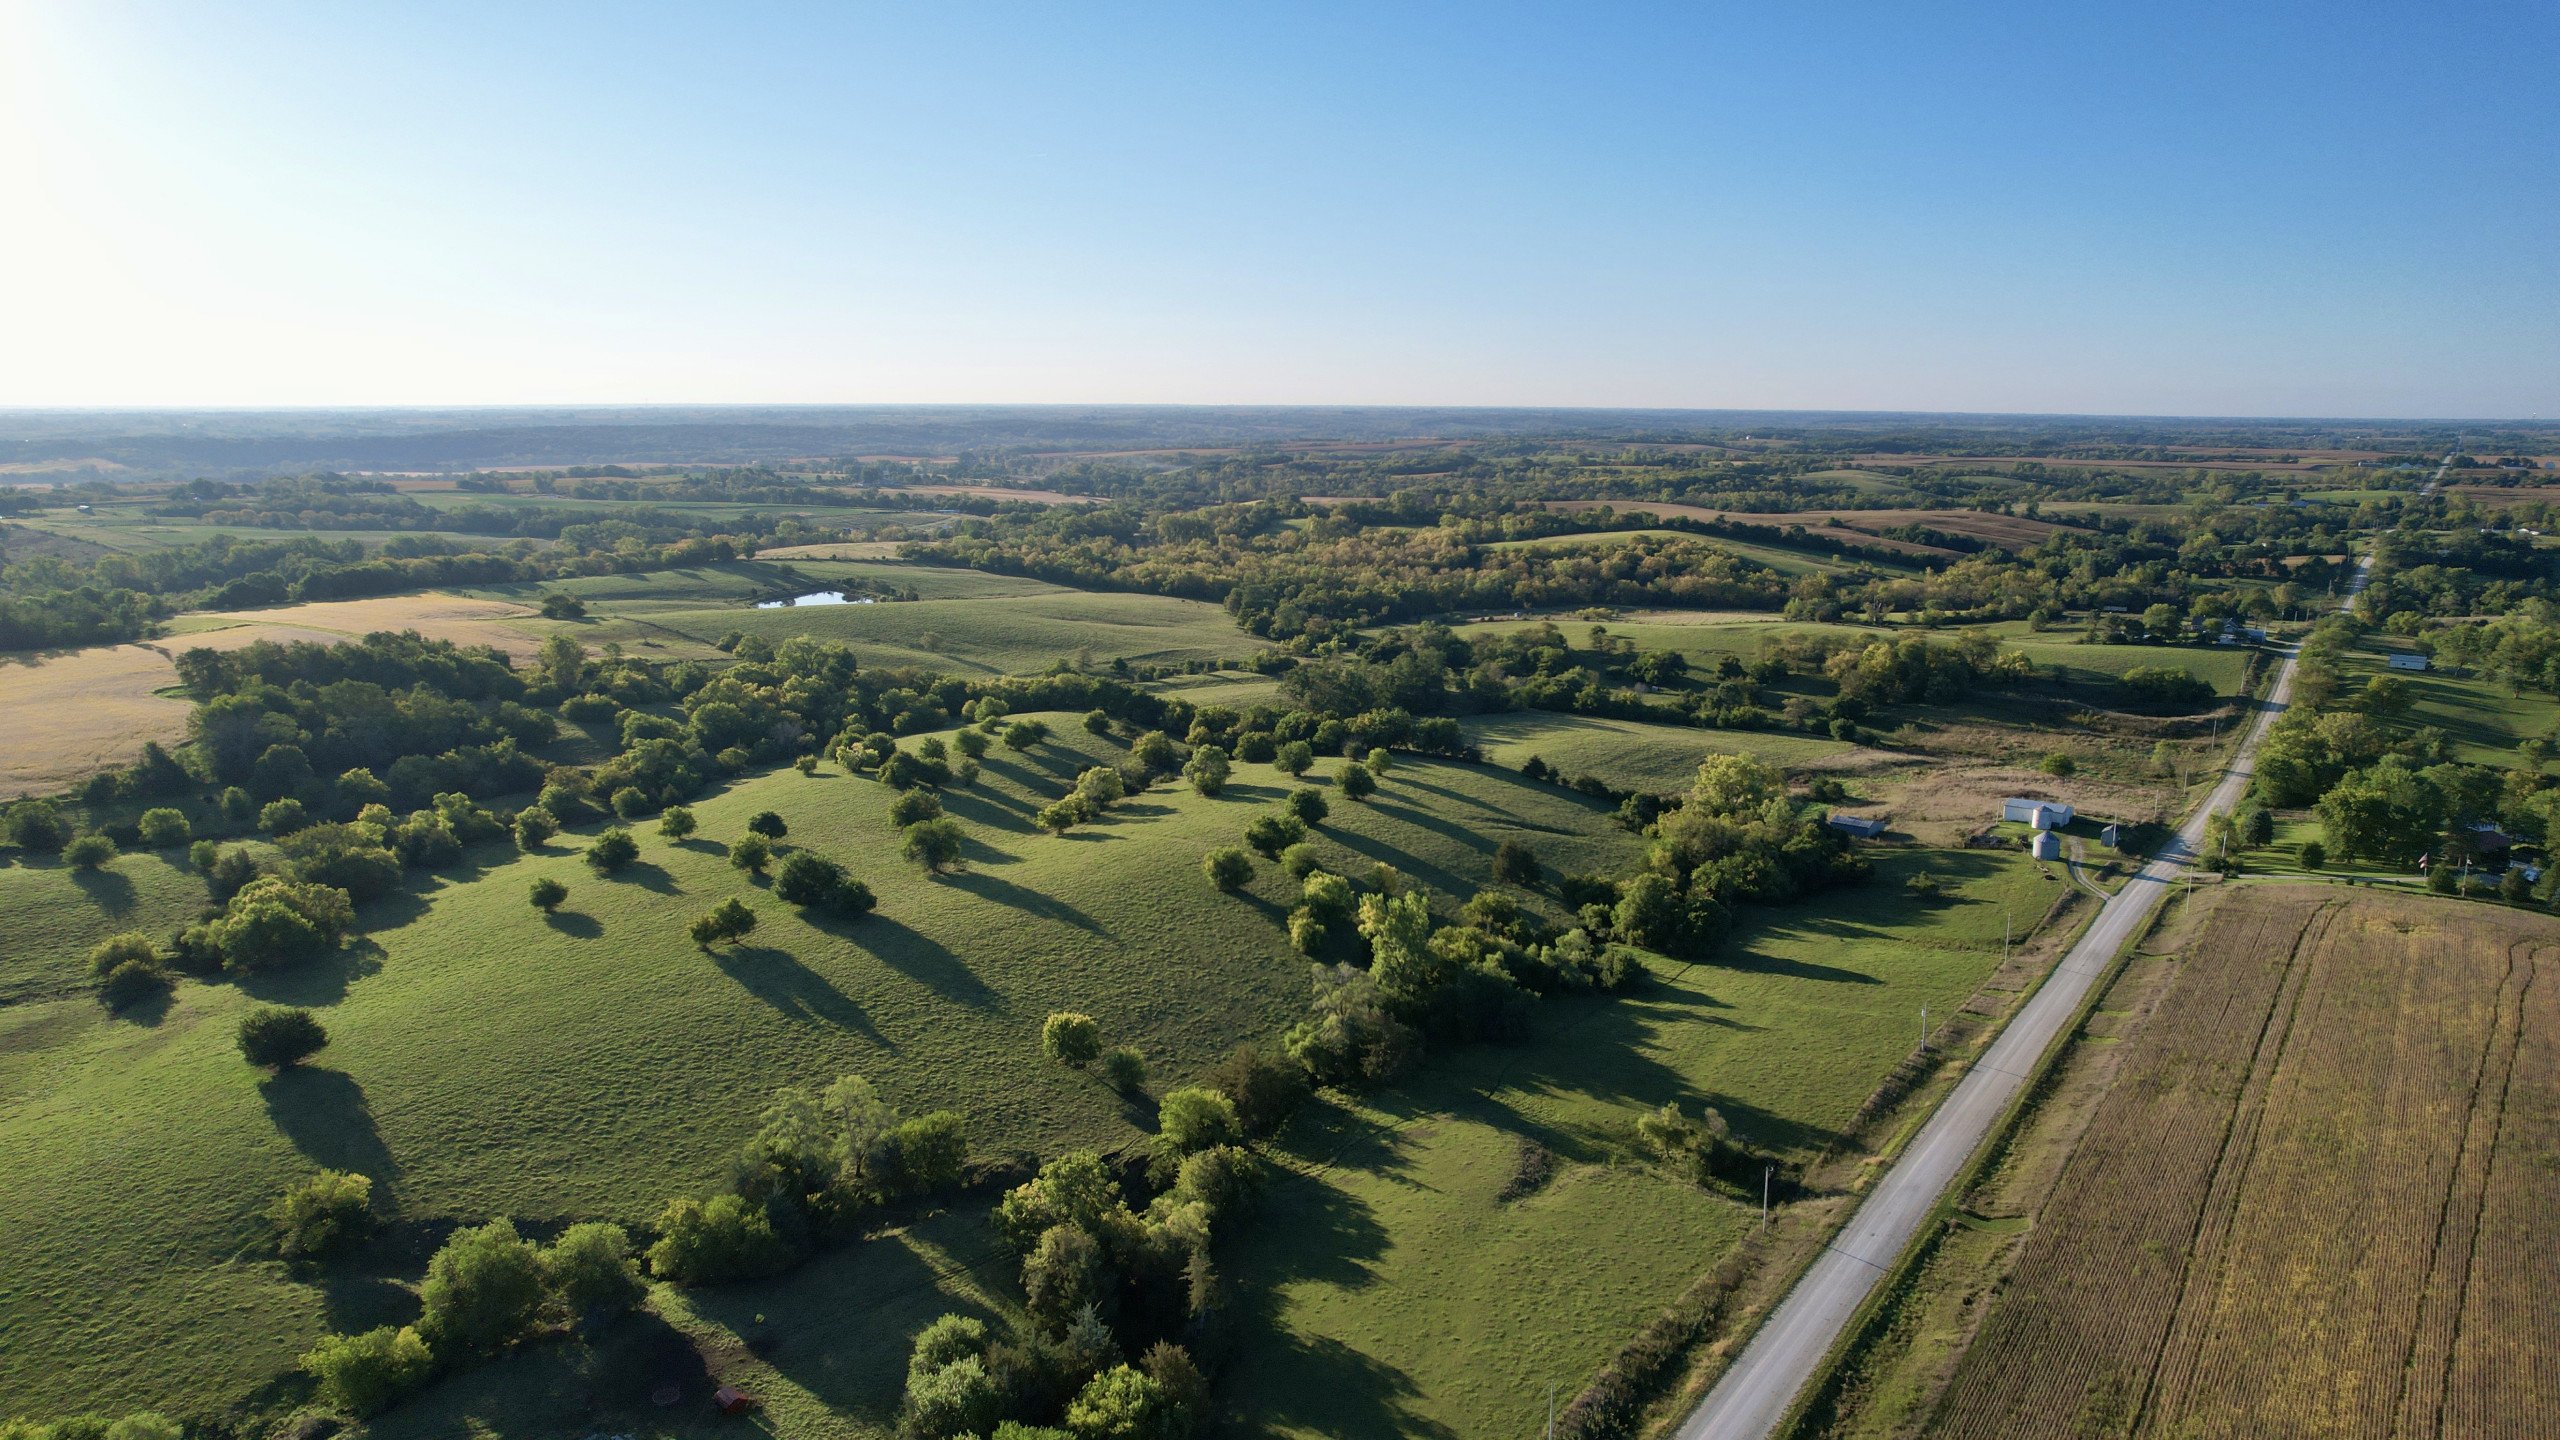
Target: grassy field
2387 1060
1632 755
487 1061
1776 557
1407 1298
2483 718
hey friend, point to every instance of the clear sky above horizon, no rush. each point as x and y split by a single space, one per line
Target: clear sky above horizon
2225 209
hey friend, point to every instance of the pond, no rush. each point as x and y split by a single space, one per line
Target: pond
815 597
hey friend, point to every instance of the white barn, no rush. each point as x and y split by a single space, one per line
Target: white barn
2040 814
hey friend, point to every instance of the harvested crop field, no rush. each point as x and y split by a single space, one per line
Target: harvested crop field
69 714
2316 1201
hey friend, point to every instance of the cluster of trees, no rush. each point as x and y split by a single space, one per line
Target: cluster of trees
487 1289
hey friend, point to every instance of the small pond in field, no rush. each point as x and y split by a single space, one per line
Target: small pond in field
815 597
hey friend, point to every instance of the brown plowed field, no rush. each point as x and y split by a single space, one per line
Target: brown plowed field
2319 1199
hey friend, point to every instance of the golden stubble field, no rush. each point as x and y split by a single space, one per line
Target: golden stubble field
68 714
2318 1200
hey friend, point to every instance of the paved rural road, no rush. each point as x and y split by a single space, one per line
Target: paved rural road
1753 1396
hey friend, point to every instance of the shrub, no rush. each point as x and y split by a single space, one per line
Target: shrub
960 1398
1121 1403
482 1289
534 827
1123 1068
1378 763
1102 787
750 853
1024 734
1064 814
1294 758
1356 780
768 824
677 822
2165 685
590 1268
1300 861
1308 806
1208 770
1063 1275
2059 765
612 850
1271 834
914 806
1228 868
132 947
362 1374
934 844
629 802
89 852
808 879
279 1038
726 923
972 743
314 1217
1193 1118
705 1242
163 828
1516 864
131 983
1097 722
1071 1038
547 894
282 817
2313 854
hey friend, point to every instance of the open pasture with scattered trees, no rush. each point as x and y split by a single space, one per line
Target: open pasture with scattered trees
2312 1202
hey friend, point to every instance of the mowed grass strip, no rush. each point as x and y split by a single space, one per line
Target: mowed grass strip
485 1060
1631 754
1406 1298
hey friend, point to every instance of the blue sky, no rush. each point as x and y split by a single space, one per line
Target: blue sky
2217 209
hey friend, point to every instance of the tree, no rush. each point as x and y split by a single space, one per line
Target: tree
768 824
534 827
1193 1118
37 827
677 822
1308 805
1356 780
1123 1068
590 1268
1064 814
726 923
1300 860
1025 734
612 850
1121 1403
1062 1275
314 1217
89 852
1294 757
1071 1038
959 1398
703 1242
2313 854
1378 762
1228 868
547 894
363 1374
934 844
1208 770
972 743
1097 722
1648 913
914 806
482 1289
1155 751
2059 764
273 921
1102 787
277 1038
163 828
1270 834
1516 864
750 853
809 879
2162 621
283 817
560 605
1265 1088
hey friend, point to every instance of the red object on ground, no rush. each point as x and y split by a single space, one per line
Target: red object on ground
732 1400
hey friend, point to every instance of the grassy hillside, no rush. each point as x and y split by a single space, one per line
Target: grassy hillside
1630 754
1407 1298
485 1060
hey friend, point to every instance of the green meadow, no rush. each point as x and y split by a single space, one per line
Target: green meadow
2485 719
486 1060
1630 754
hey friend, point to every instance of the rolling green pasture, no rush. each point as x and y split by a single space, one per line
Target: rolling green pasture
2484 718
485 1060
51 916
1630 754
1778 558
1402 1297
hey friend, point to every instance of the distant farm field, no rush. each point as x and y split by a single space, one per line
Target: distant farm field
485 1060
68 714
1812 524
2317 1199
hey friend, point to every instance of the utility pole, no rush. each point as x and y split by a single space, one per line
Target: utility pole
1551 1410
1766 1171
1924 1027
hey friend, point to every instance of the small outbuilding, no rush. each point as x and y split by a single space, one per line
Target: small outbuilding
732 1401
1865 827
2040 814
2046 846
2406 660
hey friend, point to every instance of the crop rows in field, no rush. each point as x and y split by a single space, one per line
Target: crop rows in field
2309 1206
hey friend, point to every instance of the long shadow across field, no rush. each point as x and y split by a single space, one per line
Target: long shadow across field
1031 902
777 978
920 958
324 1114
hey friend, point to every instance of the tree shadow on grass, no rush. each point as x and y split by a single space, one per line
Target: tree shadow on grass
106 889
995 812
1031 902
1437 877
920 958
359 1302
323 1112
573 924
779 979
881 1282
699 846
321 981
649 876
1407 777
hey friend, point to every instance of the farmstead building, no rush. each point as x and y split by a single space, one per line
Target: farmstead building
2039 814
